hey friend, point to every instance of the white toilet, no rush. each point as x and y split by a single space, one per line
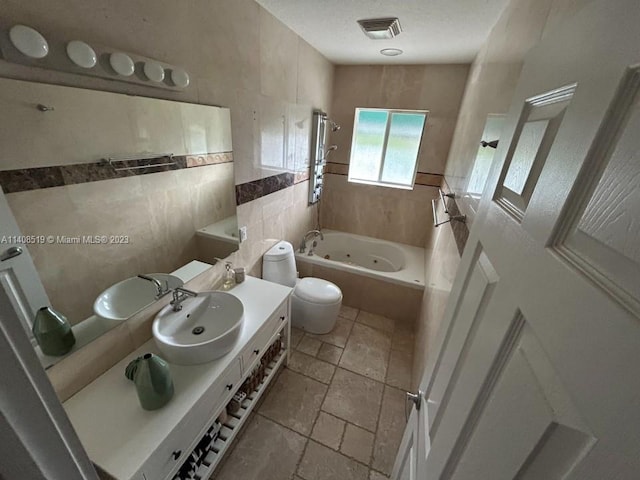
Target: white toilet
315 303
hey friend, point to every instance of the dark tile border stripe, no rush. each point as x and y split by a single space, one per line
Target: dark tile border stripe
424 179
460 230
246 192
25 179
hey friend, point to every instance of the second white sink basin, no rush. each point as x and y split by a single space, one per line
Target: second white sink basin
126 298
206 328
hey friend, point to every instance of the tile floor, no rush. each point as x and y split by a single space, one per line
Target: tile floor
336 412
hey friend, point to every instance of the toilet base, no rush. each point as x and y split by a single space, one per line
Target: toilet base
313 317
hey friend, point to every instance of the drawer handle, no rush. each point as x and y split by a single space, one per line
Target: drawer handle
282 318
229 386
256 351
176 454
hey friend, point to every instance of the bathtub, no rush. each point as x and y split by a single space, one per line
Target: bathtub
370 257
377 276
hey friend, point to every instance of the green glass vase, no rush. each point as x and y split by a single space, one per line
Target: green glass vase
53 332
152 378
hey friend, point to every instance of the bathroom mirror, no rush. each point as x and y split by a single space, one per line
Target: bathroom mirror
100 187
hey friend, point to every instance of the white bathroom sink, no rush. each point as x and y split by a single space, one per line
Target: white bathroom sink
206 328
124 299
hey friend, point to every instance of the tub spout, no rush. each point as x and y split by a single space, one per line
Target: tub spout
313 233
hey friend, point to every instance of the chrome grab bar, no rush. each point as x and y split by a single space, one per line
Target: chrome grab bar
434 208
109 161
444 200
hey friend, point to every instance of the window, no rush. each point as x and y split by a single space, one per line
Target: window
385 146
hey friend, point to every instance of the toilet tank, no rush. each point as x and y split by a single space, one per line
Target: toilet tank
279 264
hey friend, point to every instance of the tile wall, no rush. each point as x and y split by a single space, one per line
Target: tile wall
239 56
399 215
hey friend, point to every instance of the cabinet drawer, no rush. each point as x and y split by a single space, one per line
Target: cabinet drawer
177 446
255 348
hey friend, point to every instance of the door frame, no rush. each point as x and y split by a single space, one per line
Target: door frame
43 443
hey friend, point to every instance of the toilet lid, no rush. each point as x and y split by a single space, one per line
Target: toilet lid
316 290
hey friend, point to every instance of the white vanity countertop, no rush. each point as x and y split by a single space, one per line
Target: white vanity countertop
117 433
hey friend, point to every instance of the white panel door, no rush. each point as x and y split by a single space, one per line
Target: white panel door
536 376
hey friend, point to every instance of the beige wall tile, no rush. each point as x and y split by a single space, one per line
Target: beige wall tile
278 58
237 54
315 78
402 216
397 215
441 265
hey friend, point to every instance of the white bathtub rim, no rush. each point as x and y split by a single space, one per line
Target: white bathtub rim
415 264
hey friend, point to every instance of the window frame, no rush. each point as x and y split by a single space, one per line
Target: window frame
380 182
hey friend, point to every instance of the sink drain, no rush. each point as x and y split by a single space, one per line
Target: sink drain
197 330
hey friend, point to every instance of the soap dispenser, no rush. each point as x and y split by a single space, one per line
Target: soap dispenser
229 277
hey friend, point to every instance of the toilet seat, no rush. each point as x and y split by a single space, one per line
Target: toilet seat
317 290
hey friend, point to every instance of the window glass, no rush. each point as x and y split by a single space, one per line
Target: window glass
385 147
366 154
403 144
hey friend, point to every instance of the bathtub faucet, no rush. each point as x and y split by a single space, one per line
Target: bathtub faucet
314 234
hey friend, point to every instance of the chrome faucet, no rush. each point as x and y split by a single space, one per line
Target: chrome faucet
303 244
161 290
180 295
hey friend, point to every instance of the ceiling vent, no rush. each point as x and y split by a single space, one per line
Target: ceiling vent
380 28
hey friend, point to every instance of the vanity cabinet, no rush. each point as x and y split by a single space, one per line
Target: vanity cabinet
128 443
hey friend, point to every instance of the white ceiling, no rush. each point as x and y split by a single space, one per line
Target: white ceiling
434 31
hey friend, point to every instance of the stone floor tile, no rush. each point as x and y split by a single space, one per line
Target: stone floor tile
322 463
399 371
261 442
367 352
357 443
309 345
373 475
328 430
294 401
296 336
311 367
348 312
330 353
339 335
390 430
354 398
376 321
403 340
